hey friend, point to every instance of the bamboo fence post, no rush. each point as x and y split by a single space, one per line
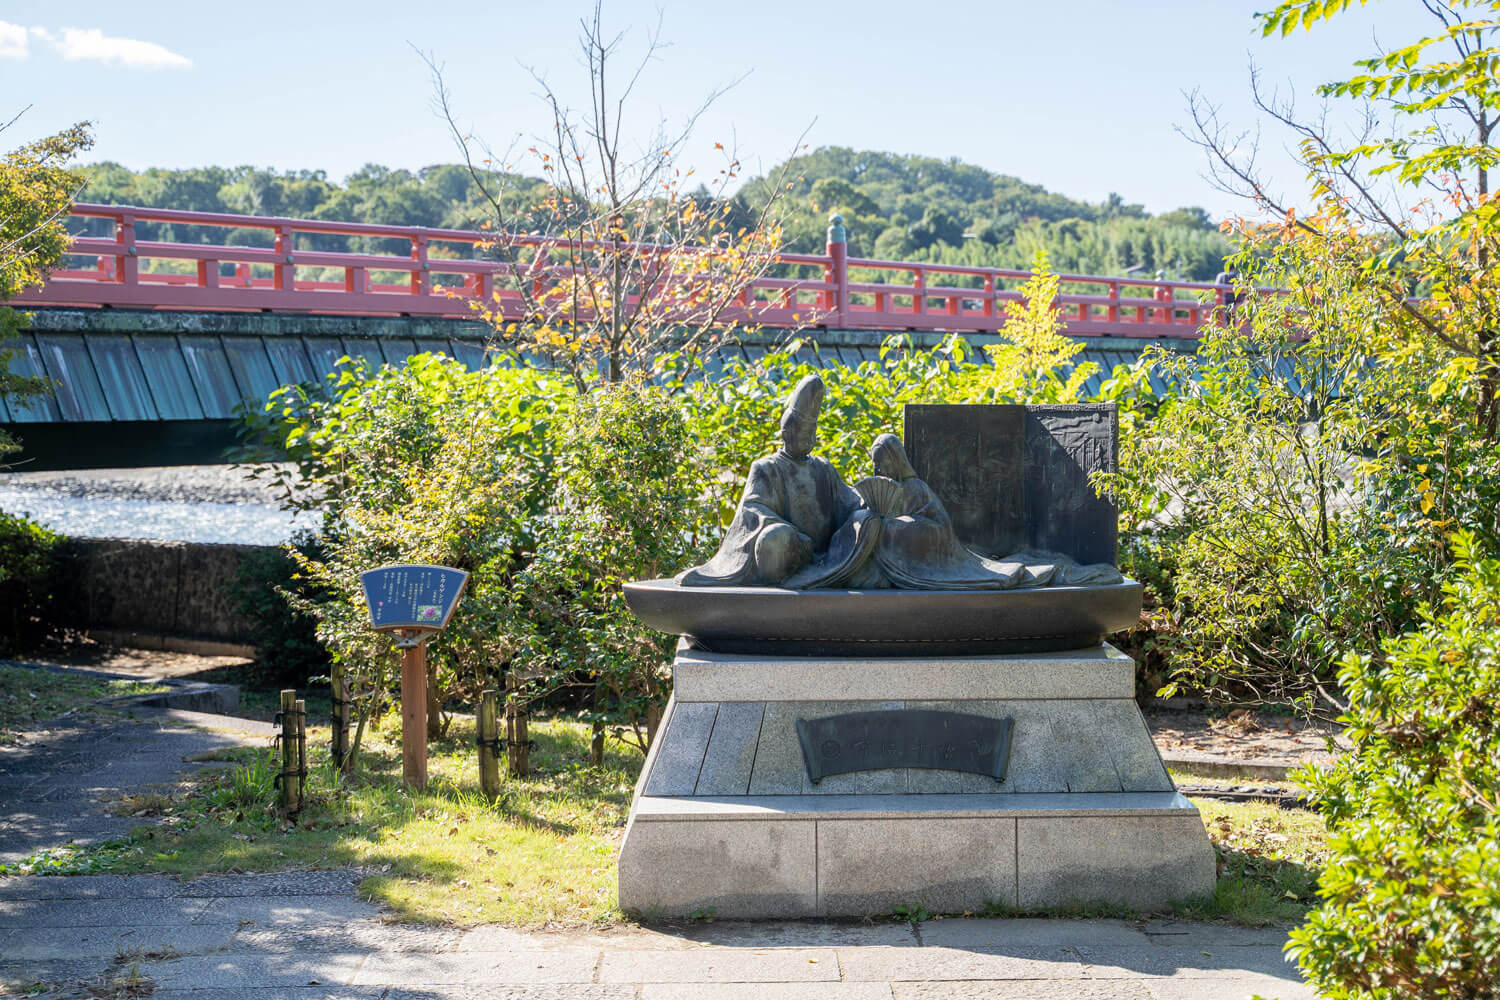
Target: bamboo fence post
523 742
510 723
301 753
340 743
518 747
489 745
290 801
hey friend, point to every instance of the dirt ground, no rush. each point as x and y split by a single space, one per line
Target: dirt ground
1241 735
145 664
1245 735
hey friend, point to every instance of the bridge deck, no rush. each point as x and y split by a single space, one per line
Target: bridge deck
156 387
137 257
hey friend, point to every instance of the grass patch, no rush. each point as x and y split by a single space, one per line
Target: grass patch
29 695
227 755
543 852
262 704
1269 862
1220 781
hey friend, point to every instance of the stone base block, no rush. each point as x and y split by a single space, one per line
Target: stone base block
726 818
858 855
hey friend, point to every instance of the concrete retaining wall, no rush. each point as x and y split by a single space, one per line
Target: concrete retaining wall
164 588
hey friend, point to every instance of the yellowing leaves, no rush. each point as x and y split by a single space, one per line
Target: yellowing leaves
1428 495
35 189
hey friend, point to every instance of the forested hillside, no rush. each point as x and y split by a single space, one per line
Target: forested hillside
895 207
920 208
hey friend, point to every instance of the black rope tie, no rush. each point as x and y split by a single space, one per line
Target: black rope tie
282 715
300 774
497 744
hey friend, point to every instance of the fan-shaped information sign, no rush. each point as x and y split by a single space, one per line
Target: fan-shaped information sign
416 603
412 597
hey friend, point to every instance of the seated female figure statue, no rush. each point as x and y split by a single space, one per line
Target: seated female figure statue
918 549
798 523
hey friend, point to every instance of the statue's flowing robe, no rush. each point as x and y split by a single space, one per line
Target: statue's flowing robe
918 551
853 547
807 494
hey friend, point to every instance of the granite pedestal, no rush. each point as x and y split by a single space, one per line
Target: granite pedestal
726 819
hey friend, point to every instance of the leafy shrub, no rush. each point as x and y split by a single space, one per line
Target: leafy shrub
28 557
287 648
1411 906
630 505
1292 496
426 463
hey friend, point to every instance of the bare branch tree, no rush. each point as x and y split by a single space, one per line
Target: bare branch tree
1356 183
623 259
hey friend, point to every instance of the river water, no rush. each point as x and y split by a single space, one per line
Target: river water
213 503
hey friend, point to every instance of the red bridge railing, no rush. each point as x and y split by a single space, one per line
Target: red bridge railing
444 270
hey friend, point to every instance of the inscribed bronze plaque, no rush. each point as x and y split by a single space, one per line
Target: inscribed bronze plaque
905 737
1017 477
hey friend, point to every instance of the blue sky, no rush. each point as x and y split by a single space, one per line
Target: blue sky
1081 97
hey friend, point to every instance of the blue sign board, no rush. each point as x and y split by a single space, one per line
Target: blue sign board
412 597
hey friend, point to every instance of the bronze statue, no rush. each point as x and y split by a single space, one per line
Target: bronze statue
801 527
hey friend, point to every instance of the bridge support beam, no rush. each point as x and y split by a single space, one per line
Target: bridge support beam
119 444
136 388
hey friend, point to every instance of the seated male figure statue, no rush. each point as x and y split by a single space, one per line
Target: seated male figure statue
794 507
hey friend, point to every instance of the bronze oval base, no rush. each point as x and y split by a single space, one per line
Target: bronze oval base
774 621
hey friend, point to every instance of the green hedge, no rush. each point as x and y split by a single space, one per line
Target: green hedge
287 648
28 557
1412 894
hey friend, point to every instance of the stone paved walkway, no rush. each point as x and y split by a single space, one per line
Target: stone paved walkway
306 935
58 781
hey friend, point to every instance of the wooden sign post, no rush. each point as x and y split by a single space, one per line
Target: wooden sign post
414 603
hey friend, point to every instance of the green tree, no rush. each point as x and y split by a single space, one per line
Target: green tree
834 194
36 188
1244 503
1034 361
937 226
1409 278
1436 260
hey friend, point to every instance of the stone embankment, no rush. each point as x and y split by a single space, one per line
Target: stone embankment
135 591
174 590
